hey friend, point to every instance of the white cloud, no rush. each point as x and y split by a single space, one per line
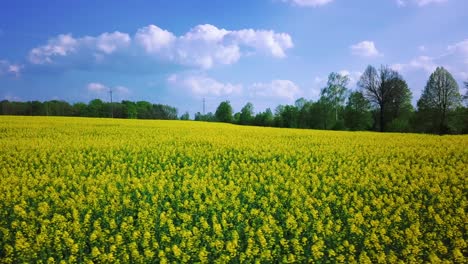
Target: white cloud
15 69
455 60
110 42
65 45
154 39
460 49
97 87
268 42
419 3
424 63
263 95
206 45
422 48
121 90
101 90
7 68
365 48
203 46
62 45
283 89
309 3
203 86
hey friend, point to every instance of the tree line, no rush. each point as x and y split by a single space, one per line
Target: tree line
95 108
382 102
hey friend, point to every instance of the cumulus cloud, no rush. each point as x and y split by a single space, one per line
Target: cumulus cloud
65 45
264 41
110 42
424 63
62 45
365 48
206 45
455 59
154 39
203 46
203 86
461 49
7 68
284 89
308 3
419 3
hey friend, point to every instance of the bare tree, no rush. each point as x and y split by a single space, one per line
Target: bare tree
382 88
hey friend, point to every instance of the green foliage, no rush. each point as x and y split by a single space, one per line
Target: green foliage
185 116
357 112
440 97
129 109
224 112
265 119
383 103
332 98
95 108
387 91
207 118
246 115
286 116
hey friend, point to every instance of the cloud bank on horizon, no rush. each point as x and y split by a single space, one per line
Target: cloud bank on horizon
266 63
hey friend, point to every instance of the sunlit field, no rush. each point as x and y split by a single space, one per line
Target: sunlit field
85 190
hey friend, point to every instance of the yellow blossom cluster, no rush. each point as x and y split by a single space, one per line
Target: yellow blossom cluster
83 190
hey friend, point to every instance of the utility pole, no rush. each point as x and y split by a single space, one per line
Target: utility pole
112 106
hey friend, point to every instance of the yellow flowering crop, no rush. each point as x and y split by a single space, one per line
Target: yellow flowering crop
82 190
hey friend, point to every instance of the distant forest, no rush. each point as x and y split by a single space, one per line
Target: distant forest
95 108
383 103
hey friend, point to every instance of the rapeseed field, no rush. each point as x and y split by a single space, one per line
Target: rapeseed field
83 190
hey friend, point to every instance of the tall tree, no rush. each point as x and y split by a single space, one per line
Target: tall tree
246 114
382 88
399 110
224 112
334 94
357 112
440 96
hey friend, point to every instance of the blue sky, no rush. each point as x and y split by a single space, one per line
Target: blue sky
267 52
